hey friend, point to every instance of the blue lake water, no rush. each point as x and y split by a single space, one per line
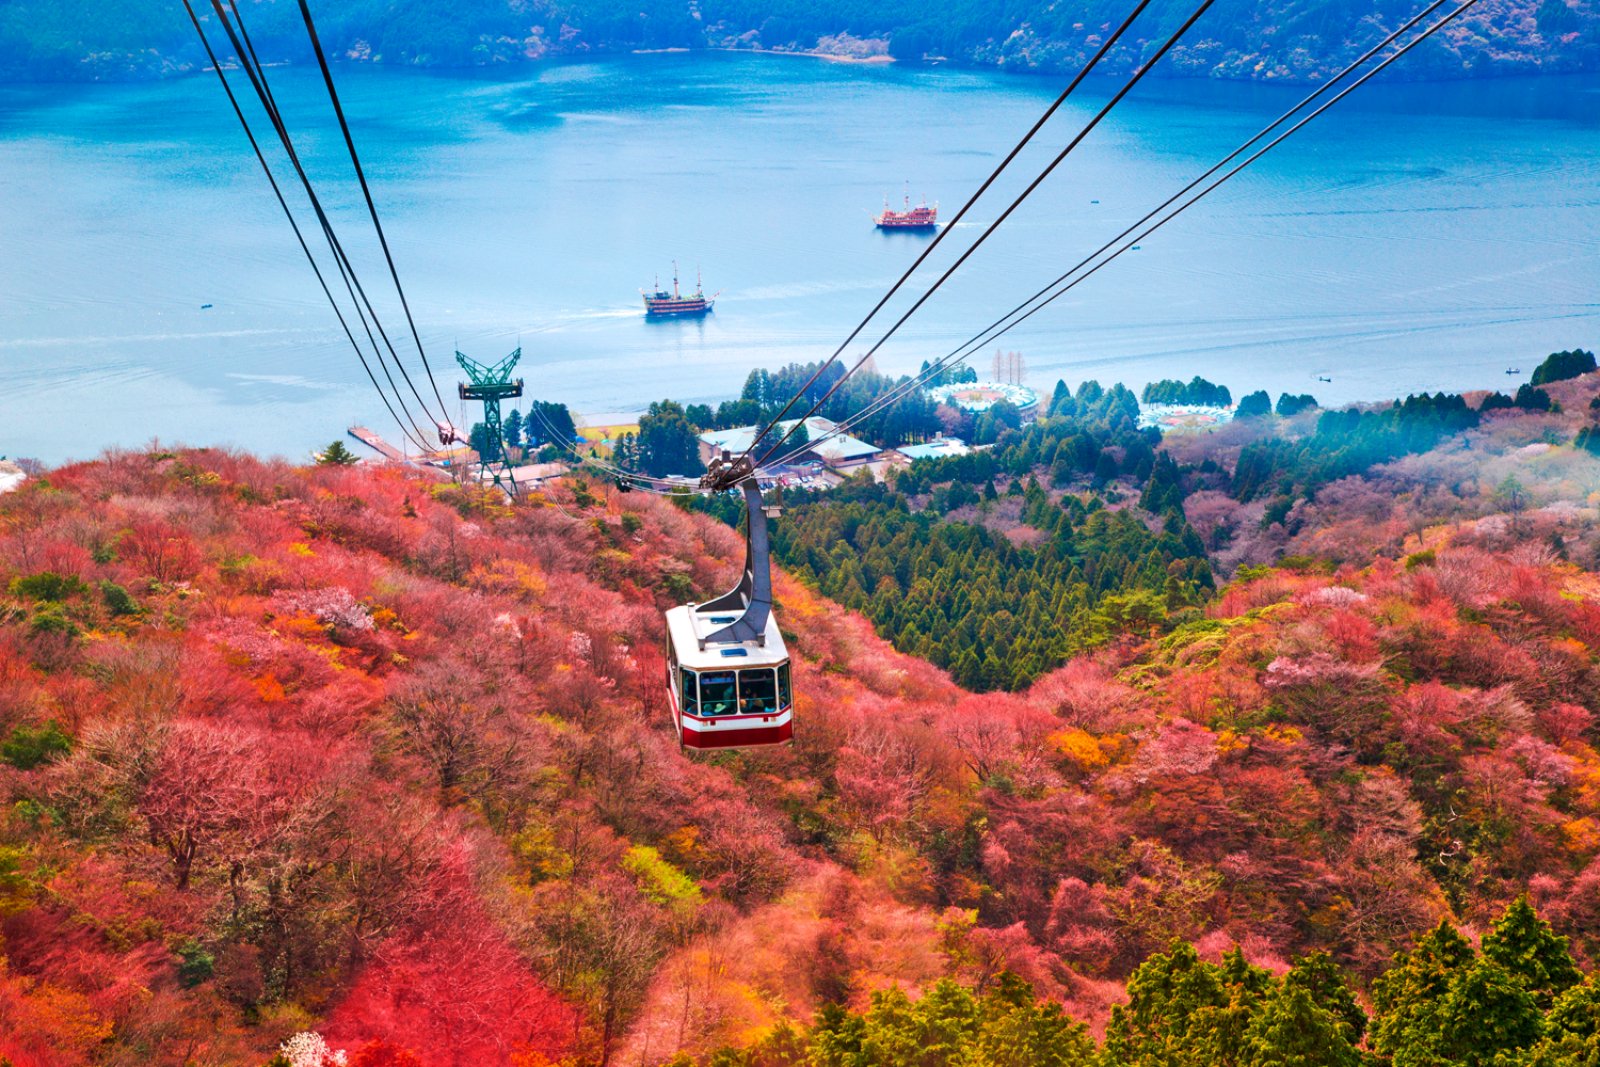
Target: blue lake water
1416 237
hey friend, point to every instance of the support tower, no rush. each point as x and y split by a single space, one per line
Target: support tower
492 384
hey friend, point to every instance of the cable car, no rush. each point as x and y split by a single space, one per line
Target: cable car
728 675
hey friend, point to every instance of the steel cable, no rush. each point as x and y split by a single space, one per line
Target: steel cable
372 209
258 79
939 237
289 214
1127 87
990 333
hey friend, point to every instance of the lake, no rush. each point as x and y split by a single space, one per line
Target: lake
1417 237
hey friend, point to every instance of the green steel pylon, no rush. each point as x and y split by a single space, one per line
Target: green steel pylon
492 385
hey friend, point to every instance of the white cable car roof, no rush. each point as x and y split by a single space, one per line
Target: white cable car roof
688 627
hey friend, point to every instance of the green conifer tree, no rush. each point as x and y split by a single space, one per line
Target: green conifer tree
1292 1030
1537 956
838 1037
1019 1031
1219 1034
892 1036
1409 997
1163 1024
1577 1011
1321 978
1571 1030
337 455
1486 1013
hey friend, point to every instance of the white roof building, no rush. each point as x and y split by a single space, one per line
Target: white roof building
841 450
978 397
938 448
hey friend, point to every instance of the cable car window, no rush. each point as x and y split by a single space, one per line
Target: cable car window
784 698
758 691
719 693
691 701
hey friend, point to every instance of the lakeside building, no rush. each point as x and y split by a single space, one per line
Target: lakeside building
978 397
842 452
537 475
1168 417
940 447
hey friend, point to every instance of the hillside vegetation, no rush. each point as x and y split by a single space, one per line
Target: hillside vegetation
1259 39
341 758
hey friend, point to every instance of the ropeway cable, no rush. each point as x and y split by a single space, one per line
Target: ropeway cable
256 73
361 176
1279 139
257 78
288 214
991 332
959 215
1127 87
986 335
643 482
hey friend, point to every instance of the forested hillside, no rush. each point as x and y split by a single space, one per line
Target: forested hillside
973 564
1082 528
1248 39
343 759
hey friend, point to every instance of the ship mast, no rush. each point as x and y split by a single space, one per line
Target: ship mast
675 280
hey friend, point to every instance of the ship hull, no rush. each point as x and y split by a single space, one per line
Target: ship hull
675 308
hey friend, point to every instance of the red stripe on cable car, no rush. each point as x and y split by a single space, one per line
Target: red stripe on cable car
769 735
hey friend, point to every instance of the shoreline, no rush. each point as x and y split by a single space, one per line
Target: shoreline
831 57
1493 75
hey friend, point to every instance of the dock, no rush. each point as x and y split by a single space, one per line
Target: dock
378 445
436 457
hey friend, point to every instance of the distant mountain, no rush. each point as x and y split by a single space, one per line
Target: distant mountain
1289 40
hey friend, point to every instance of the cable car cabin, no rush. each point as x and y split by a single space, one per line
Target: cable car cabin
727 695
727 669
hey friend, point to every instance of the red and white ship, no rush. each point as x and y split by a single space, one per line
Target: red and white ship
662 302
921 217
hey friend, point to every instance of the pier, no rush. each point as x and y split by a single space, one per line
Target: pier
371 439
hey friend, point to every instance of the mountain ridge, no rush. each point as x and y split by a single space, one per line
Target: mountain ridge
1276 40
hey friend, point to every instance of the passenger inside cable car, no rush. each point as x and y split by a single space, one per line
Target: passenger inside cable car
751 691
719 693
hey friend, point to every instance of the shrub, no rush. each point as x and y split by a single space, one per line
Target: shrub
48 586
195 964
118 600
30 746
659 880
52 619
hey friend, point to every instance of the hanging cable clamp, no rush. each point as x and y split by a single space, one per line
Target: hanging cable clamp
725 472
